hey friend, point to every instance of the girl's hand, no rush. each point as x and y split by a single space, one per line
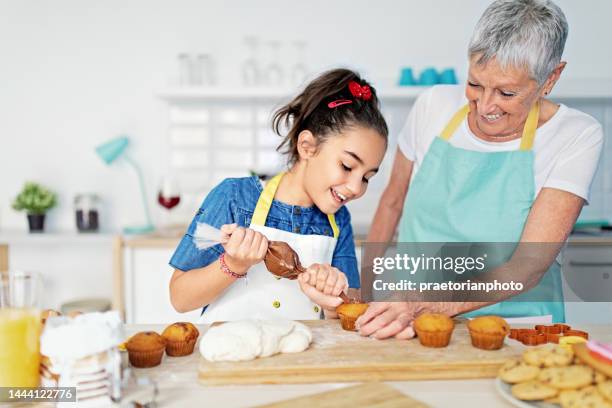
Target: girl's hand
244 247
323 283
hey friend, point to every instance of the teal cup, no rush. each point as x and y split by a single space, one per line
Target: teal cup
448 77
407 77
428 77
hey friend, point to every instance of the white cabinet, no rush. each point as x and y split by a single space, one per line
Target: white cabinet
67 262
587 273
146 277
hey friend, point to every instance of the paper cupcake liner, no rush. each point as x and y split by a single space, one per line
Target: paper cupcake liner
180 348
347 322
145 359
434 338
487 341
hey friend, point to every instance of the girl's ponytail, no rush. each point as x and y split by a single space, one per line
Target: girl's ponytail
335 100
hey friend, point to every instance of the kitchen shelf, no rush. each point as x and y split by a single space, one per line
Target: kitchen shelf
20 237
567 88
263 94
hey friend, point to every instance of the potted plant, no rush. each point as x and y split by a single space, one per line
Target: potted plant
36 200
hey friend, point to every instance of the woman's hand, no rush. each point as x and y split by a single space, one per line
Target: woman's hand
323 283
387 319
244 247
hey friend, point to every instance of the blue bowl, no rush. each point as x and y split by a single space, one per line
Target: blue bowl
428 77
407 77
448 77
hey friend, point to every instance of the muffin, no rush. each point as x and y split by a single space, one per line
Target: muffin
488 332
349 312
146 349
434 329
180 338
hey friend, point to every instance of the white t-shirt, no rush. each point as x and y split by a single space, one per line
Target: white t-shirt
566 148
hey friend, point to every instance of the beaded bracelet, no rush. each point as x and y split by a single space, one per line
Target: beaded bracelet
227 270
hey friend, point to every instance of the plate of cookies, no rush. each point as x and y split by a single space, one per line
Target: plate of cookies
555 375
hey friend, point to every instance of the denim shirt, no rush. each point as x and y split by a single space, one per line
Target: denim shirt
234 201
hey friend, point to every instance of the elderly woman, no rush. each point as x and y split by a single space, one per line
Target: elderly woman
495 161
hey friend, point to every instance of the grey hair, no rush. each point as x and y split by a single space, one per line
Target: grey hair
527 34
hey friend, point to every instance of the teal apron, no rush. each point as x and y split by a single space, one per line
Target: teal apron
460 195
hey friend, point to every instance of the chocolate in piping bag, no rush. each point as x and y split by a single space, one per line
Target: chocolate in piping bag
281 260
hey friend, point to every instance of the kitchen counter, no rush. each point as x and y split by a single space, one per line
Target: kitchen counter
171 239
179 387
157 240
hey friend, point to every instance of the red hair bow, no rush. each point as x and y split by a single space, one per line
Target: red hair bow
360 92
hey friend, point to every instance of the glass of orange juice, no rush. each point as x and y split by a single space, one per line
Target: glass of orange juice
19 329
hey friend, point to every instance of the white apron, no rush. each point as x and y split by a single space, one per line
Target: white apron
262 295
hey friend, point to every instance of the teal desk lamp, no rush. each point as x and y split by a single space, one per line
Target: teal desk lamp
109 152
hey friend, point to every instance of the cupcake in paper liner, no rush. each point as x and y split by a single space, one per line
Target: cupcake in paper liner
180 338
348 314
488 332
146 349
434 329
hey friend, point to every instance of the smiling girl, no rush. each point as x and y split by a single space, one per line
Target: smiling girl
335 142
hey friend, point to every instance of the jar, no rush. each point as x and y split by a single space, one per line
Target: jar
86 211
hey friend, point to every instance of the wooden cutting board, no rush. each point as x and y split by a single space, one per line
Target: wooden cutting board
336 355
379 395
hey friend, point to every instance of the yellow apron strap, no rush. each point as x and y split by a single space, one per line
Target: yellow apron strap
265 202
455 122
529 131
334 226
531 124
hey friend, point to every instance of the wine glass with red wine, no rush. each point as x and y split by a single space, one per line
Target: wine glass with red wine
168 195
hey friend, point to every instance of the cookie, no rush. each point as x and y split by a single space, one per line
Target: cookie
533 391
535 356
605 389
599 378
568 398
515 371
553 400
558 357
549 356
566 378
587 397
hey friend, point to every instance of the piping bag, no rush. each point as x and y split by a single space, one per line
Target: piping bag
280 259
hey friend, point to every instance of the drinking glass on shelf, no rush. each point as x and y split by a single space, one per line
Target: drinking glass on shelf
168 196
251 75
274 72
207 65
185 68
203 70
20 327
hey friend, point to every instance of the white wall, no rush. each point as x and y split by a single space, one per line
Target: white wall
75 73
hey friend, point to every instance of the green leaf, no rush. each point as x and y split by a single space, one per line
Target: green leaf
34 199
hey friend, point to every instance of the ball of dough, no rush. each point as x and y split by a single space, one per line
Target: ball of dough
233 341
272 332
296 341
249 339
